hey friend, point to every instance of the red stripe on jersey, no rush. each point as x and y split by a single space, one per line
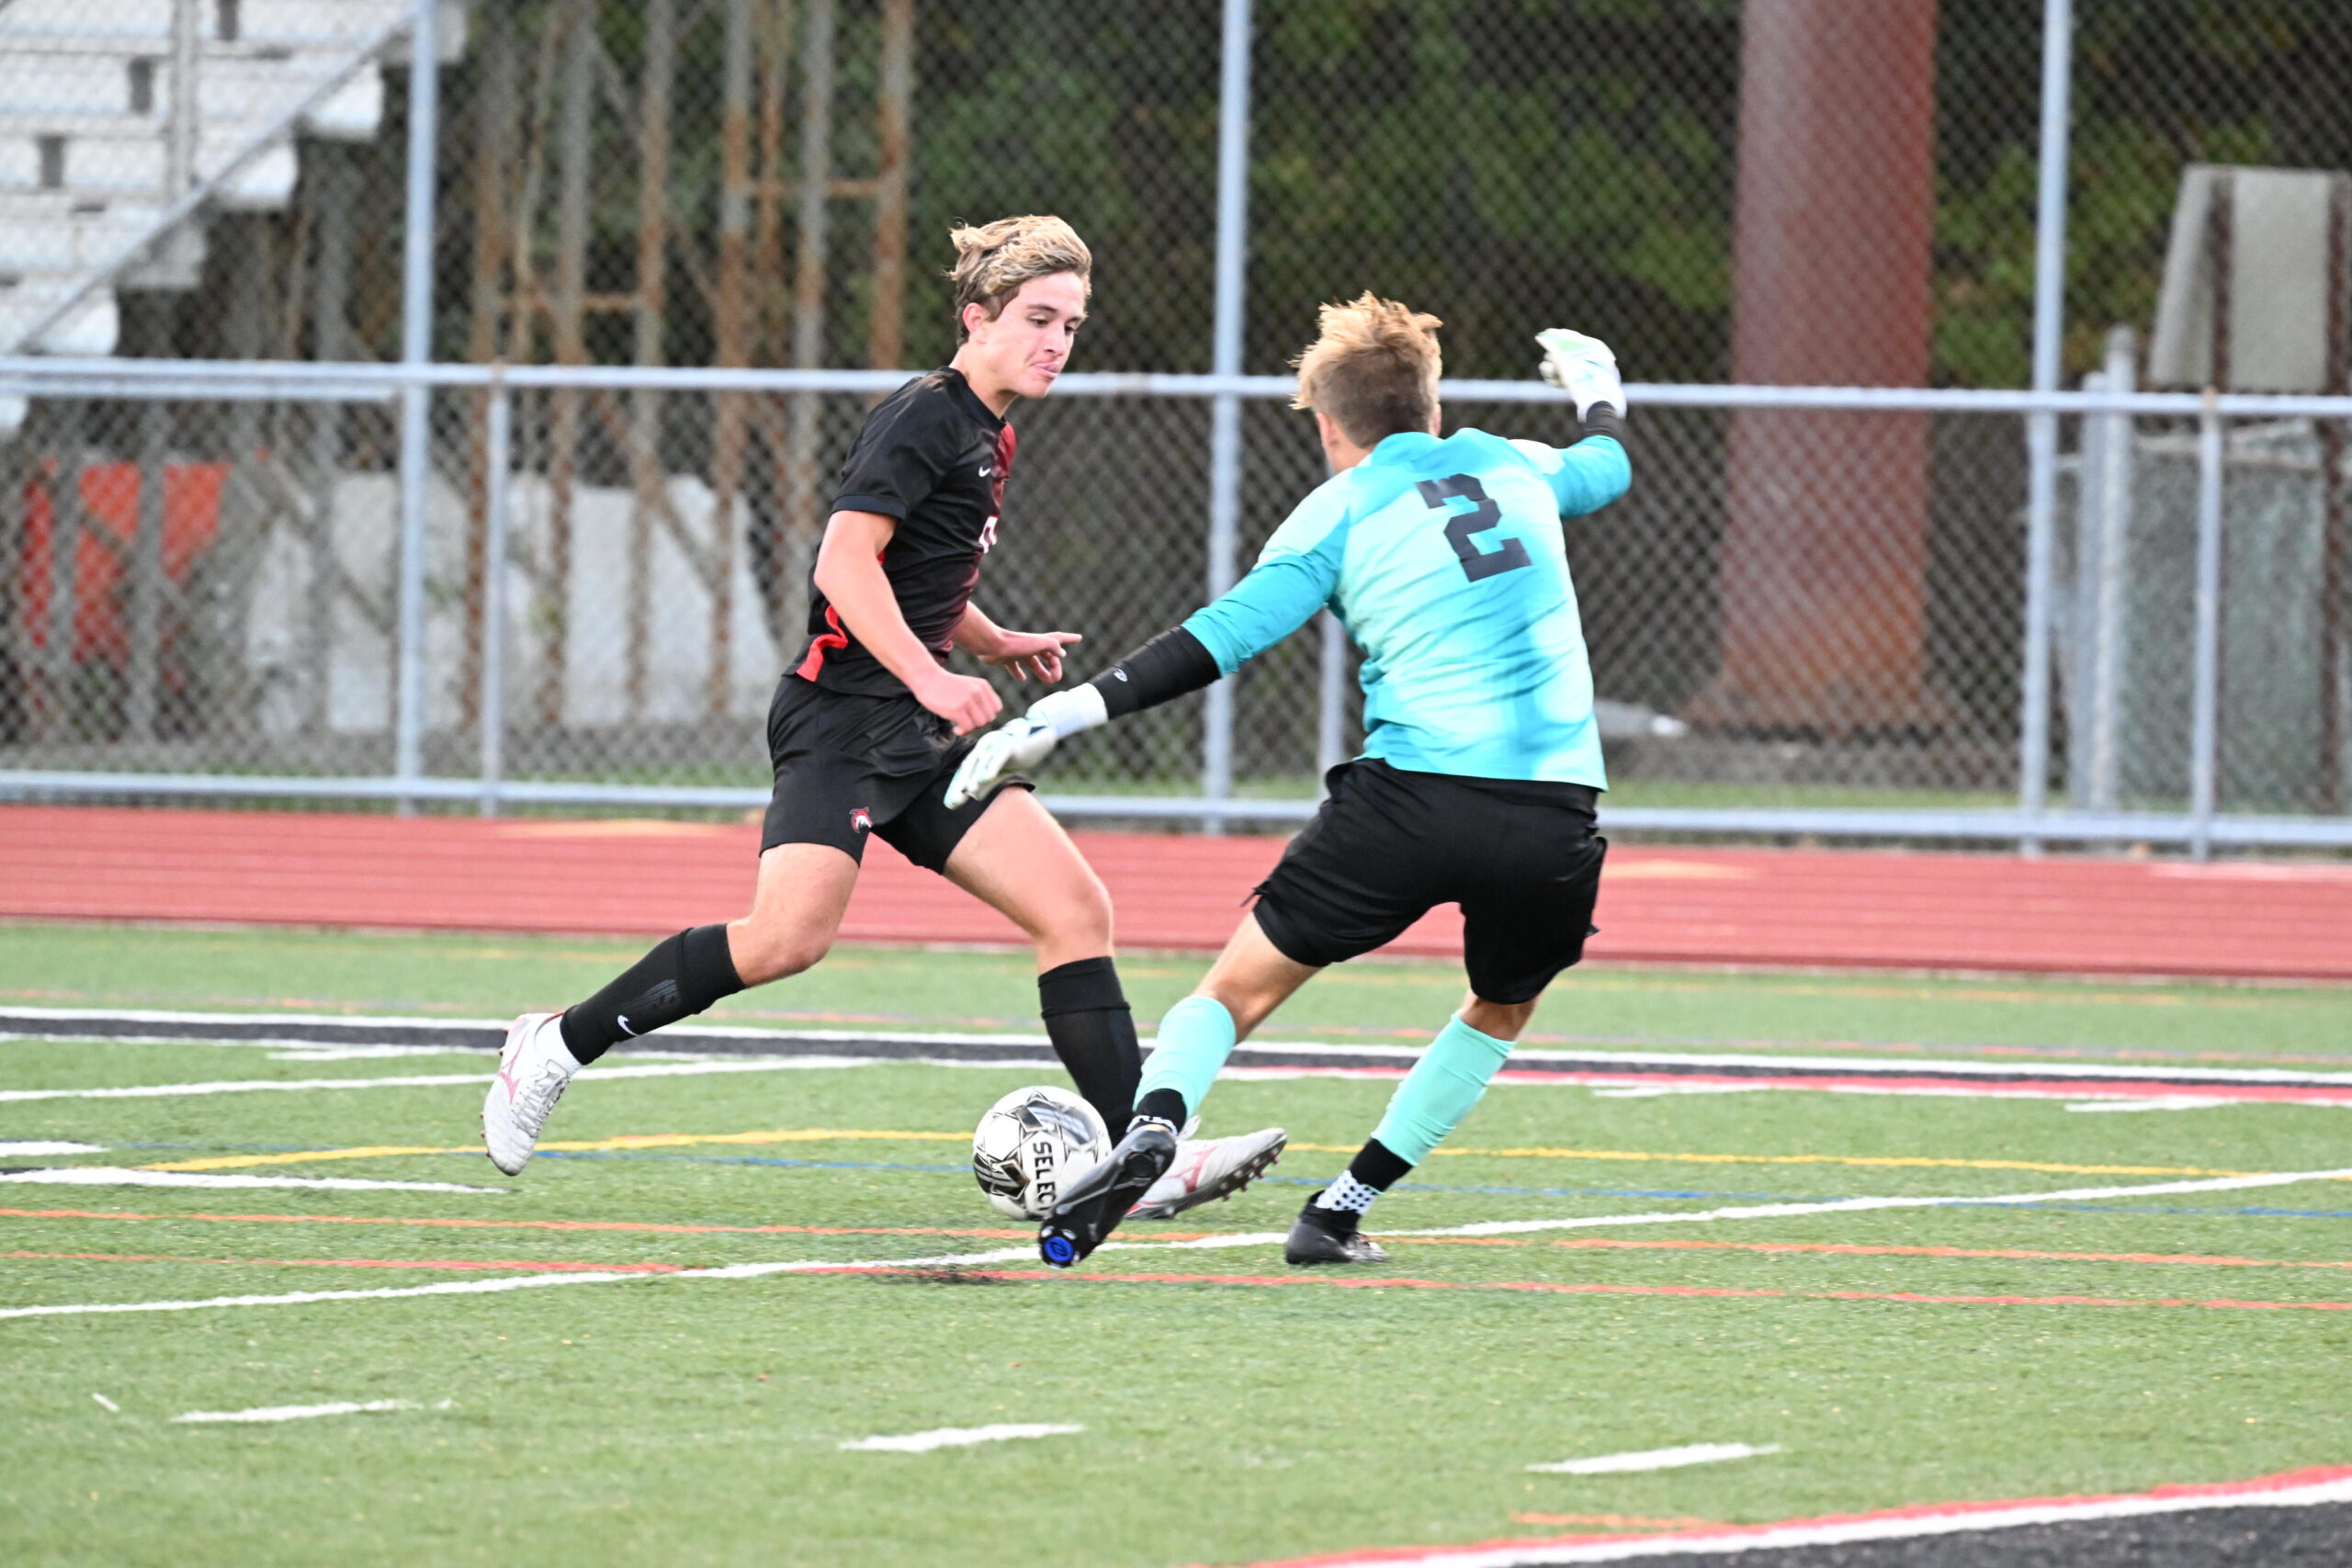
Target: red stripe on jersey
837 637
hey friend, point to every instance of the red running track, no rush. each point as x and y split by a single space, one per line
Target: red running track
1803 908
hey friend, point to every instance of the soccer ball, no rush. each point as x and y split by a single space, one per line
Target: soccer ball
1032 1144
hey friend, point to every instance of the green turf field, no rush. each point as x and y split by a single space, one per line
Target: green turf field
1234 1411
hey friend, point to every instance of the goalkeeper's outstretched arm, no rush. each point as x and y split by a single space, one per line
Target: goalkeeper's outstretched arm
1279 595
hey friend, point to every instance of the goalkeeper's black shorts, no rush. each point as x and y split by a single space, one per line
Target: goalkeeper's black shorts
1522 859
848 767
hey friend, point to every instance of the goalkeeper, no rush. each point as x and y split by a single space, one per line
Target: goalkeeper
1481 767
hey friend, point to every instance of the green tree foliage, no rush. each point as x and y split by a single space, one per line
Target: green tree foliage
1501 163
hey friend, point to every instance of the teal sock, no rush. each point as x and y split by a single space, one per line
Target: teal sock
1437 1093
1195 1038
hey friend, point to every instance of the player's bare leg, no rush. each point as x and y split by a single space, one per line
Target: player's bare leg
796 908
1251 978
1018 859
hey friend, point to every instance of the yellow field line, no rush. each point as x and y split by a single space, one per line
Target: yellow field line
846 1135
598 1145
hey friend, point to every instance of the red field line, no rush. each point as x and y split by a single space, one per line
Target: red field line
1809 908
468 1265
1383 1282
996 1234
2317 1483
1842 1250
1856 1249
1538 1287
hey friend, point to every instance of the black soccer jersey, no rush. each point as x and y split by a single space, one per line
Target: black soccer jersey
932 455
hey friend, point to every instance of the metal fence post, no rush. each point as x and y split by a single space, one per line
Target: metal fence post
2205 720
498 441
2041 427
416 397
1225 412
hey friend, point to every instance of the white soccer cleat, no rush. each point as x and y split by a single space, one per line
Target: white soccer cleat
532 1072
1003 751
1208 1169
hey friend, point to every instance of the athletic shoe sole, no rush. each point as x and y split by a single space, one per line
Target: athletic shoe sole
1083 1220
1234 1181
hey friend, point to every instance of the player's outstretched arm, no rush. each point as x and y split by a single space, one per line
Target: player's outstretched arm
1027 654
1162 670
1292 581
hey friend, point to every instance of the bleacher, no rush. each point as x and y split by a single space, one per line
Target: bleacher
93 155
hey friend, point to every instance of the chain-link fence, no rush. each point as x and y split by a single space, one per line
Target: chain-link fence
208 586
1802 612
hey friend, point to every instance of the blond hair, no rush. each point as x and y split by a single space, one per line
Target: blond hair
994 260
1374 369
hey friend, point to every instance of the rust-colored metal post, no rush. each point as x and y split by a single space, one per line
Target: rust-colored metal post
65 525
887 327
1825 549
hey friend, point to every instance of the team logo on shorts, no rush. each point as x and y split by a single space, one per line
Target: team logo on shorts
861 820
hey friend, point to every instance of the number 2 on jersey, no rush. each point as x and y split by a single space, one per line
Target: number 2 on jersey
1477 564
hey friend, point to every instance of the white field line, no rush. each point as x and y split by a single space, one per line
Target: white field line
1849 1205
1655 1458
435 1081
107 1404
1405 1055
118 1176
298 1411
2161 1102
959 1436
7 1150
1904 1525
1253 1238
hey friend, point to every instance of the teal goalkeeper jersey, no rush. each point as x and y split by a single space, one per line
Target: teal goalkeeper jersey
1446 561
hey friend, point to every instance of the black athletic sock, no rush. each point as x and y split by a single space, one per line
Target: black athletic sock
1375 1170
683 974
1094 1034
1166 1104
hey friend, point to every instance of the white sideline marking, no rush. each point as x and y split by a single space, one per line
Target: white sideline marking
959 1436
109 1403
50 1148
1847 1205
1655 1458
117 1176
2165 1102
299 1412
1252 1238
1403 1055
1909 1524
435 1081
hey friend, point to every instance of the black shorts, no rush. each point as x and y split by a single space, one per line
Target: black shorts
849 766
1522 859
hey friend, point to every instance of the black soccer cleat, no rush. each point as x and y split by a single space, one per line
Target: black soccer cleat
1327 1236
1092 1207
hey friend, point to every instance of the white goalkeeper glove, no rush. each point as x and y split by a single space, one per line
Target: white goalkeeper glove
1583 367
1021 744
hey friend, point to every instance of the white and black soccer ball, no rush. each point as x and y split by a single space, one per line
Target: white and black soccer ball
1032 1144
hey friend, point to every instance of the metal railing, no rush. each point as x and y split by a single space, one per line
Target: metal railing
2201 824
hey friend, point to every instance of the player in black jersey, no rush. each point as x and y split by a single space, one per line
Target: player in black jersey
871 722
